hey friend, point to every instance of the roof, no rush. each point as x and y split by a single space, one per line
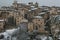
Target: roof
29 10
33 8
37 17
24 20
57 19
41 13
1 20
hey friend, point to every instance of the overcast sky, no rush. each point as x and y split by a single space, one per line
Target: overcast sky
41 2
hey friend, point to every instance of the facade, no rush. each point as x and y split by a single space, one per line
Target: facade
31 18
53 11
30 27
38 20
39 23
2 23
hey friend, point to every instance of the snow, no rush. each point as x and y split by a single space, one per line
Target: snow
37 17
41 13
24 20
43 37
32 6
5 34
22 36
32 9
57 30
1 20
8 33
59 37
29 10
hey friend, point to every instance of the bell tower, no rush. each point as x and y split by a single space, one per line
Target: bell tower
36 4
15 4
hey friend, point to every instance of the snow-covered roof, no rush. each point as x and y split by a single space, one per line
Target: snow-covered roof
1 20
37 17
57 17
42 37
32 6
32 9
29 10
41 13
24 20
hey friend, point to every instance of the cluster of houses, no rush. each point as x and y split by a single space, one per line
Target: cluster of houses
32 17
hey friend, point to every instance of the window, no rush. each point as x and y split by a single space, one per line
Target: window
41 23
38 20
0 25
36 27
17 21
25 16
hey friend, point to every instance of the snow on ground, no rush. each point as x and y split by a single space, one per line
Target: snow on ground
8 34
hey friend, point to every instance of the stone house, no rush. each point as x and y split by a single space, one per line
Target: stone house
2 23
39 23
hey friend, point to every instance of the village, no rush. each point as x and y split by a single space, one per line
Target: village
30 22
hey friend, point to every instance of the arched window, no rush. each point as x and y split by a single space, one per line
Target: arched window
25 16
36 27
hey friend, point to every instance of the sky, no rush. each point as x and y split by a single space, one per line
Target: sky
41 2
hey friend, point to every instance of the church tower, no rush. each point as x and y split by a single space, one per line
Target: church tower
15 4
36 4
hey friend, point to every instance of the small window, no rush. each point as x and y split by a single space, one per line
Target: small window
22 18
41 23
38 20
36 27
0 25
17 21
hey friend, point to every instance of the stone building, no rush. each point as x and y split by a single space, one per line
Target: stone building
55 29
36 4
15 5
45 15
2 23
19 9
24 25
30 26
19 13
38 20
53 11
39 23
